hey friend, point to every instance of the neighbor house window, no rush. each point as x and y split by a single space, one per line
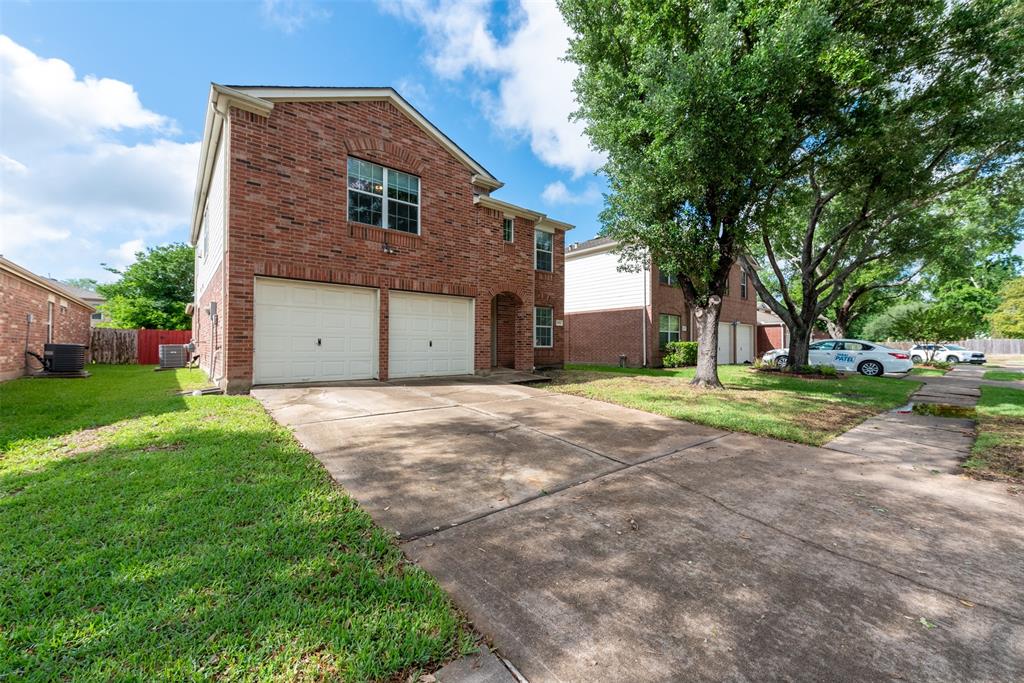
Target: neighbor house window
544 249
97 316
49 322
542 326
743 284
383 197
668 329
508 229
666 279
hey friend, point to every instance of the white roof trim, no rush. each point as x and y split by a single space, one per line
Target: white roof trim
590 251
541 222
50 286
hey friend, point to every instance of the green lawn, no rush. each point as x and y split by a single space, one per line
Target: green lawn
999 450
150 536
811 411
927 372
1004 375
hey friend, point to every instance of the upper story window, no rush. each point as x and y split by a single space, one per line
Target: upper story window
383 197
666 279
544 249
508 229
743 283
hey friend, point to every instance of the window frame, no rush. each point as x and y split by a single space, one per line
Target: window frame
49 322
537 232
550 327
743 283
508 229
385 199
666 279
678 332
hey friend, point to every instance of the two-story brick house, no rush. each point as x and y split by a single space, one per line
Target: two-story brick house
340 235
611 312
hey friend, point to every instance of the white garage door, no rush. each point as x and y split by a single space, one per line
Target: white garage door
429 334
310 332
744 343
724 343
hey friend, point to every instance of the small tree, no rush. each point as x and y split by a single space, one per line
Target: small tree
1008 318
153 291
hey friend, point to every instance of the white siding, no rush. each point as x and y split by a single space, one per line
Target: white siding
208 260
594 283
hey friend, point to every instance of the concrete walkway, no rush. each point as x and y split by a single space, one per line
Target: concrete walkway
911 440
592 542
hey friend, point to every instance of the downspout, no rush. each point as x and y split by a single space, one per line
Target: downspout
643 318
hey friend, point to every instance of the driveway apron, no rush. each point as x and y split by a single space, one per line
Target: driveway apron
593 542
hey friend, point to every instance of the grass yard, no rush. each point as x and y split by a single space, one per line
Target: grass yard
999 450
927 372
151 536
810 411
1004 375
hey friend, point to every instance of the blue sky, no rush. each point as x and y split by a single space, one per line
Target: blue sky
104 104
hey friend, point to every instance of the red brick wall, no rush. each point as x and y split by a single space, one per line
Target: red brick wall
208 337
288 218
506 331
601 336
769 337
20 297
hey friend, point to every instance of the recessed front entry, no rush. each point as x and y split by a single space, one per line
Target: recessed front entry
312 332
429 335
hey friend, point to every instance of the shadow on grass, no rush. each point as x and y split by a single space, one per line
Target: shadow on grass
200 544
43 408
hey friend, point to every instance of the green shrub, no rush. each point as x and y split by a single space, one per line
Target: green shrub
679 354
827 370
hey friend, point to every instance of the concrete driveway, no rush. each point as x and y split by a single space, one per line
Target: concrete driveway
593 542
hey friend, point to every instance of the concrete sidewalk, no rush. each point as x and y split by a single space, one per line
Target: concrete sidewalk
593 542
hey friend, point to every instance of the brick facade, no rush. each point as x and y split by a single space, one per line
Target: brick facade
21 296
287 217
602 336
208 332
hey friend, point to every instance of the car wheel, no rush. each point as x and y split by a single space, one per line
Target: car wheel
952 359
917 359
782 361
871 368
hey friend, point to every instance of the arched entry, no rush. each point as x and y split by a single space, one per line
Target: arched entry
504 309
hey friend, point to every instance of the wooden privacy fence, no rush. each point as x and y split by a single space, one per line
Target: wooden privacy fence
121 347
1006 347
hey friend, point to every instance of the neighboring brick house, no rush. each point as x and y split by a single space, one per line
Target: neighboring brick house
35 311
339 235
773 333
611 313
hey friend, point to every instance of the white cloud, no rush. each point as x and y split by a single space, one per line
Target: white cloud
534 95
70 189
558 193
291 15
124 254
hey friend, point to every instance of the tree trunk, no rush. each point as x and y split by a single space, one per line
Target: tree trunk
706 318
799 340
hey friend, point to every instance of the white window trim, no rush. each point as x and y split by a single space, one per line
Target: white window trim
550 327
385 199
536 249
49 322
743 284
512 230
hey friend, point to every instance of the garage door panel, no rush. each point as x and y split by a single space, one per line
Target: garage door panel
429 335
291 316
724 343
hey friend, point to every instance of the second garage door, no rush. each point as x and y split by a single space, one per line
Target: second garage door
429 335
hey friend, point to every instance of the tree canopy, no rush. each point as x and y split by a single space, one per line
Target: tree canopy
153 291
1008 318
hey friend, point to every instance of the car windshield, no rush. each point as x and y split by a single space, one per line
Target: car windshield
955 347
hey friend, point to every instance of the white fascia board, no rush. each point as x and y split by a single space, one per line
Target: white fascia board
540 221
590 251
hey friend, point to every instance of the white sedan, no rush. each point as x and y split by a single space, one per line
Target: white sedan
849 355
946 353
